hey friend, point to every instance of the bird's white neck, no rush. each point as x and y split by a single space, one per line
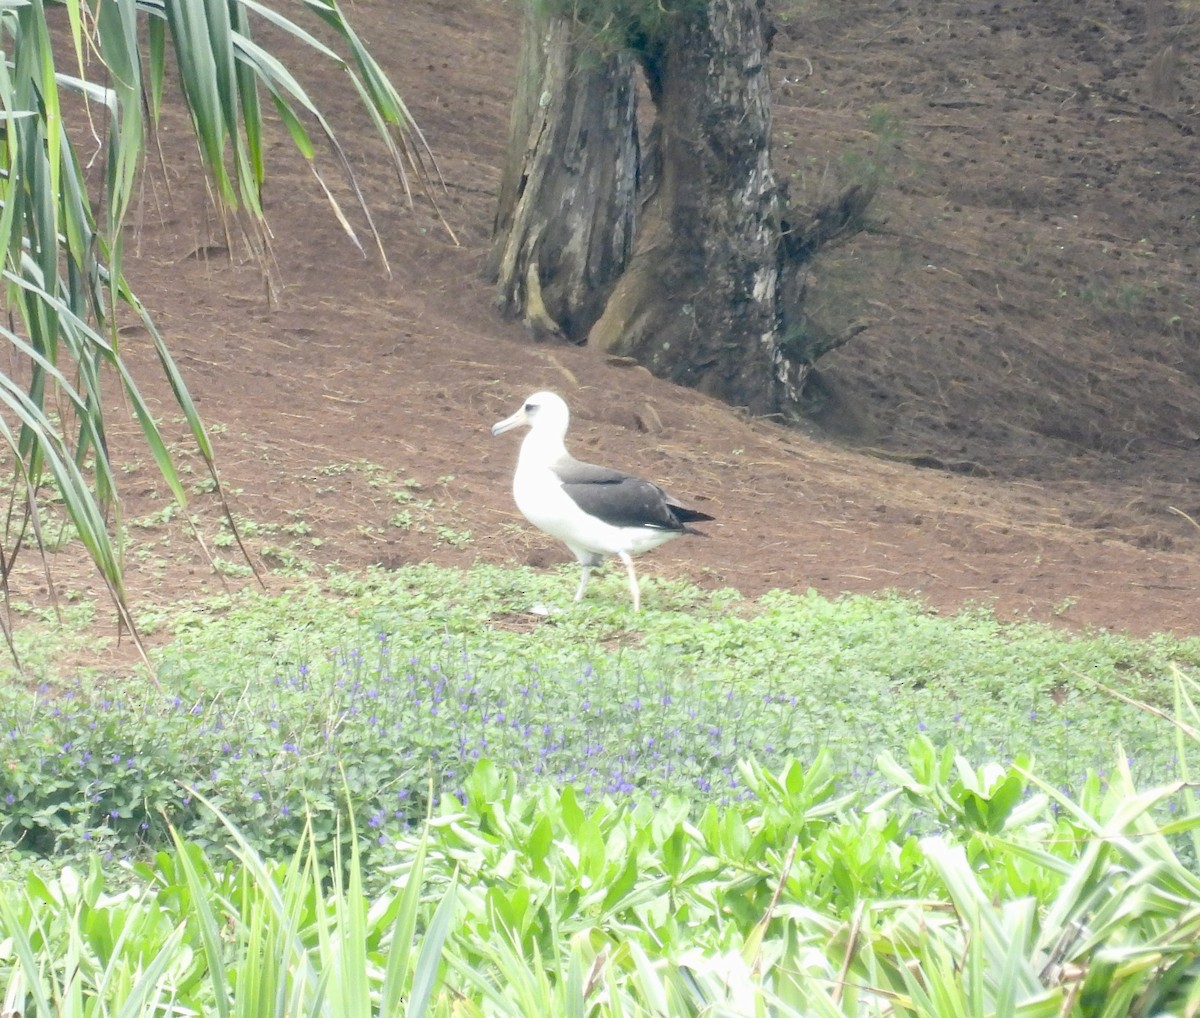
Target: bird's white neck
541 447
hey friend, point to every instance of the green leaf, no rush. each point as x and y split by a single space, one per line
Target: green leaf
429 959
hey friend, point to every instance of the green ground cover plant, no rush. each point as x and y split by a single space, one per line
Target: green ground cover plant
402 794
795 902
404 681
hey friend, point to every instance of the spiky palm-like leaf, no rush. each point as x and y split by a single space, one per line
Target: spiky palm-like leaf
63 282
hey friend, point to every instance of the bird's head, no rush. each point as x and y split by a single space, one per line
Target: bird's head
543 412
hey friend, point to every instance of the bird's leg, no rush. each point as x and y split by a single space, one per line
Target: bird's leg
583 582
633 583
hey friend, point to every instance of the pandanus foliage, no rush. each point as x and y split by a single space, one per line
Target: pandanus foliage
82 86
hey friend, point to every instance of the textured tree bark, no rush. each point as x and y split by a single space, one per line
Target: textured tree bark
565 222
701 300
712 294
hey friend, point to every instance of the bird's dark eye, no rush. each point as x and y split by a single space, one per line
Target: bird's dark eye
530 407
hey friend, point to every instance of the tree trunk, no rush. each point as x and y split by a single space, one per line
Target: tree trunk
565 223
712 295
701 301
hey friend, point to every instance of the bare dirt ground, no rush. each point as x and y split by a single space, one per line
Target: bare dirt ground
1019 426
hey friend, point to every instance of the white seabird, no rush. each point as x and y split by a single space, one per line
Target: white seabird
593 510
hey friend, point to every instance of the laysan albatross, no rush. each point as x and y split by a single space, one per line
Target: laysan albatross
593 510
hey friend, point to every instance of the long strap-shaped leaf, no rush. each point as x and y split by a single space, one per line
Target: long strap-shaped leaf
61 244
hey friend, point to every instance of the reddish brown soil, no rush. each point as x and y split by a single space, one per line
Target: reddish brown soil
1019 426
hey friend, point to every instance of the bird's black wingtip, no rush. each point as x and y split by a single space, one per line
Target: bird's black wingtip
690 515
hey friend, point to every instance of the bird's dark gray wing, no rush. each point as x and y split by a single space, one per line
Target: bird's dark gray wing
621 499
573 471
